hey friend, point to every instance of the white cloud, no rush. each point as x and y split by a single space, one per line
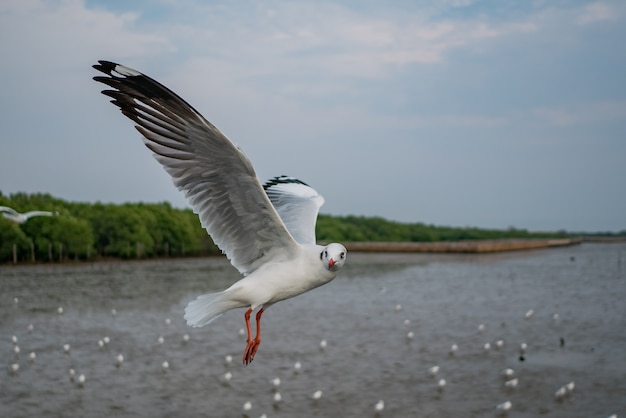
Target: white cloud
596 12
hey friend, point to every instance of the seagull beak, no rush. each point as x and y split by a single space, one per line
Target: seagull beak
331 263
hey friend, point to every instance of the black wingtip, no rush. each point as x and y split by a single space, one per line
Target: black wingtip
282 180
105 66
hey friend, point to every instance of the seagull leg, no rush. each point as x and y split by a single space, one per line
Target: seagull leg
253 344
246 357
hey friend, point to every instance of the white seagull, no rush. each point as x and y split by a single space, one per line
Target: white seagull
21 218
267 232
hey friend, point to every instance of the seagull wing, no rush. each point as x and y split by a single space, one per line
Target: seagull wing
215 175
38 213
8 210
298 204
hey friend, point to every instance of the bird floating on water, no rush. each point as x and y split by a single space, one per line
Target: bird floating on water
511 384
504 406
266 231
20 218
227 376
380 405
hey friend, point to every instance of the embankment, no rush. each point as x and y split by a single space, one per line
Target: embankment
469 246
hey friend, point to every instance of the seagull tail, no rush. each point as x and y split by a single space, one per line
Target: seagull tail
207 308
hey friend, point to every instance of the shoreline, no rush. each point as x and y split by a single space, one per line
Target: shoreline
440 247
469 246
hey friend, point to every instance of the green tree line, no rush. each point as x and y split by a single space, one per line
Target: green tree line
137 230
99 230
361 228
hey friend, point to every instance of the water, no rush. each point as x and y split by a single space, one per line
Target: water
368 355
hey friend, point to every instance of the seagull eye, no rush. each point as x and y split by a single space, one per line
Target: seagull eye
342 255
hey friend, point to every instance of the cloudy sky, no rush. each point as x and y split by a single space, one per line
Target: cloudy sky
453 112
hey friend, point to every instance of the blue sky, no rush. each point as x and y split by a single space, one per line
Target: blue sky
453 112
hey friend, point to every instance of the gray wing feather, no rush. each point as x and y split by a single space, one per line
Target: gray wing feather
214 174
298 204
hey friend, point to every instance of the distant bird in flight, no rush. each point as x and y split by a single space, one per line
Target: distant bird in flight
21 218
266 231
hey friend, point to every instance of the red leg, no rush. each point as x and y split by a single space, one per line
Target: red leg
246 316
253 345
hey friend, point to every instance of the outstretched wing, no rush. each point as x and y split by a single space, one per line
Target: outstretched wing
215 175
298 204
8 210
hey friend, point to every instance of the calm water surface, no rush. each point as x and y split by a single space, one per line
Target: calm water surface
364 315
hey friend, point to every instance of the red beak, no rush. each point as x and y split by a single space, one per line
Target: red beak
331 263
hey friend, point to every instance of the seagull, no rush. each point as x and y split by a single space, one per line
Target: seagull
21 218
266 231
380 405
504 406
433 371
512 384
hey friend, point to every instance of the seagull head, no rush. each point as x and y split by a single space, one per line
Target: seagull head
333 256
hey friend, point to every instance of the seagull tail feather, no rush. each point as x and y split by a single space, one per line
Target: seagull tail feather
207 308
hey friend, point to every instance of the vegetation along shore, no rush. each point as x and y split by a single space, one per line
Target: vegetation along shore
92 231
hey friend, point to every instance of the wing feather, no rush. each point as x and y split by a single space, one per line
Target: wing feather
216 177
298 204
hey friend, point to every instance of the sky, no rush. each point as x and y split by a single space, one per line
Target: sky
490 114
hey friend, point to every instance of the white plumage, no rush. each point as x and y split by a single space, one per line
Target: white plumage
20 218
267 232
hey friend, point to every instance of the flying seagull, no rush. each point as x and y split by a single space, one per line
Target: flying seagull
267 232
21 218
